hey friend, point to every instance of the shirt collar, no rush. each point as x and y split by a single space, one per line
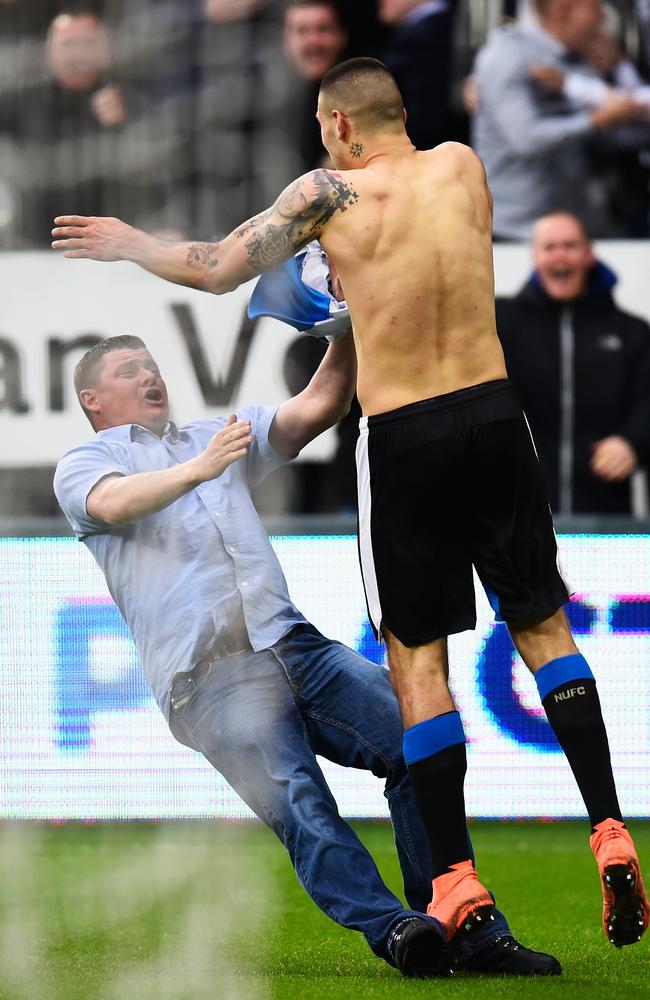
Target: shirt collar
135 432
424 10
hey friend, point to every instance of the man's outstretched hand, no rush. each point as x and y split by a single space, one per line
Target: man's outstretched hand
102 238
92 237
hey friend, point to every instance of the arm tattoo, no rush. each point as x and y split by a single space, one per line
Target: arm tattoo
202 253
246 227
299 215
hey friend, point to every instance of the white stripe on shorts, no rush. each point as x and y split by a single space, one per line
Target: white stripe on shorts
558 561
368 572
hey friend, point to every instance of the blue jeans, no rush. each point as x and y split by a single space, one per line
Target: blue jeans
260 719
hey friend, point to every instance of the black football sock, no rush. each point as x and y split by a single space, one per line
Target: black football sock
568 691
434 751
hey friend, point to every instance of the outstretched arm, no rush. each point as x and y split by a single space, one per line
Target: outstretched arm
324 401
298 216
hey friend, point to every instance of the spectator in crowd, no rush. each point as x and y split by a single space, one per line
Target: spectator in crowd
534 142
314 37
623 172
314 40
419 54
582 368
589 90
79 58
79 135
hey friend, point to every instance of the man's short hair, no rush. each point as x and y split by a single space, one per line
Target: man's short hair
87 370
568 214
81 9
365 90
293 4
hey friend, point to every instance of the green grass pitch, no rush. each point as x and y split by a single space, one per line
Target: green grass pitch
191 911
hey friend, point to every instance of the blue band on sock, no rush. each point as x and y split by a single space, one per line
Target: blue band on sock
562 671
432 736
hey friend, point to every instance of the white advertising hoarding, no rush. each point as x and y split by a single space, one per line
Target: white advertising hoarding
213 358
81 737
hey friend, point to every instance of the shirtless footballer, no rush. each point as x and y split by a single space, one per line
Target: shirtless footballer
448 475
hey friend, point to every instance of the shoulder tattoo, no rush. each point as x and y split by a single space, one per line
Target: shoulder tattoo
297 217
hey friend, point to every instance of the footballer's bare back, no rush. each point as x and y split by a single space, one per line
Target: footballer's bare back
414 255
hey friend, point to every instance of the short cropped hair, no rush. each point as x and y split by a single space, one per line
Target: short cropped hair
77 8
80 9
297 4
87 370
568 214
366 90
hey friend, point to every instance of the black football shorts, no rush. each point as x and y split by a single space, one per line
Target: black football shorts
446 484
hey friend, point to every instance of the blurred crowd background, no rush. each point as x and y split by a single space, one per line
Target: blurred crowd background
185 117
189 115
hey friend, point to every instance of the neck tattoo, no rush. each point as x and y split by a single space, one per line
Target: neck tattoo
356 148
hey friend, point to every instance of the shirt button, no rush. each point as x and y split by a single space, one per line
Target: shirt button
218 513
231 549
244 583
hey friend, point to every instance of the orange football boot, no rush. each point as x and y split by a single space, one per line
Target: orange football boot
460 903
625 904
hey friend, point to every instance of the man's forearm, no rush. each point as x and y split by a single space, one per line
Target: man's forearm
324 401
191 264
119 500
208 266
334 381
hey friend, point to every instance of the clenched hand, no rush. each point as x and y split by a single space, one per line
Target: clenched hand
613 459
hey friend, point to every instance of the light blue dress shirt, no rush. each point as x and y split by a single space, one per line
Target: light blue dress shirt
183 575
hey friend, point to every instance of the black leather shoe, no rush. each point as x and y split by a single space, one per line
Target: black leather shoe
418 949
506 957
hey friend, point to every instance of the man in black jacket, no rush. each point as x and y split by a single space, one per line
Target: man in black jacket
582 368
419 54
